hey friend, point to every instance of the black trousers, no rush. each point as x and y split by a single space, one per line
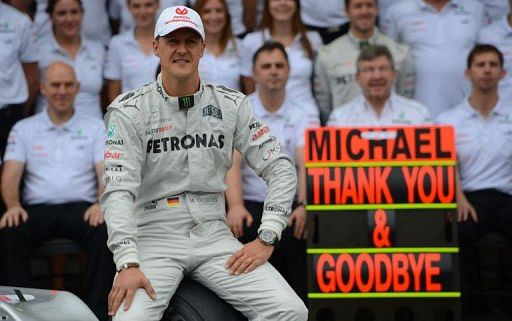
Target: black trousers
494 210
64 220
8 117
289 256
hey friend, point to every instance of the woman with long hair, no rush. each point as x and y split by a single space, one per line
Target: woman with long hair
281 22
66 43
131 62
221 61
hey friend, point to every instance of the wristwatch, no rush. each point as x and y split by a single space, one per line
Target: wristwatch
127 266
301 203
267 237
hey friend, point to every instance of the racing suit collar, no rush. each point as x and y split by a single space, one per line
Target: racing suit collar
357 42
179 103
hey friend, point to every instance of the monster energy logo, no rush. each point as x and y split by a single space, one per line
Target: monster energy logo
186 102
111 131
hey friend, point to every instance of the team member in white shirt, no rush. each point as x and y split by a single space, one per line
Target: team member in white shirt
483 131
67 44
378 105
328 19
19 73
495 9
242 14
281 22
59 156
119 11
335 64
439 33
95 24
131 62
499 34
287 120
221 59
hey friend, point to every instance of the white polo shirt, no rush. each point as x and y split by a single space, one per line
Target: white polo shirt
439 43
398 110
42 23
384 6
499 34
331 13
59 160
95 24
16 47
127 62
484 146
301 66
288 125
118 10
223 69
88 66
236 11
495 9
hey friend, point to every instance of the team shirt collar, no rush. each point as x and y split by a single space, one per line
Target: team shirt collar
260 111
367 108
268 36
179 103
84 44
357 42
498 110
425 6
67 126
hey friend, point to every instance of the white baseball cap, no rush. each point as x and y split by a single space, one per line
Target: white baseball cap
174 18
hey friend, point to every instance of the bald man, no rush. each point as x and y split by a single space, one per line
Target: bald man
60 158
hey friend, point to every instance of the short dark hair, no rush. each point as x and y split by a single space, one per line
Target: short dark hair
347 2
481 49
270 46
373 52
52 3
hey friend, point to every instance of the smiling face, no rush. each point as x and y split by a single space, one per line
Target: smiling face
67 18
179 53
214 16
60 88
362 15
144 12
376 78
282 10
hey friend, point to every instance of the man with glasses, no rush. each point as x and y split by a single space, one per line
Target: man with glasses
378 105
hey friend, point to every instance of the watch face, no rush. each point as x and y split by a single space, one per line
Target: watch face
267 236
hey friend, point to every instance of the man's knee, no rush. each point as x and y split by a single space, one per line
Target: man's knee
293 308
10 235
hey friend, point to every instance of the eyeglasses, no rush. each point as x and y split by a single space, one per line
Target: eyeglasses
371 70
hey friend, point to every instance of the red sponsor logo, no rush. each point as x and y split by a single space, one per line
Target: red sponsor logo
112 155
182 11
260 132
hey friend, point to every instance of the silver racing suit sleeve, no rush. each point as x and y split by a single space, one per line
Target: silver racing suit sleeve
123 161
322 89
262 152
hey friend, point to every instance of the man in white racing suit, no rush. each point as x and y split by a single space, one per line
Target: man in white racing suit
169 146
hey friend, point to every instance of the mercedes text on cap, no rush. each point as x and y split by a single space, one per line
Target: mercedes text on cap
174 18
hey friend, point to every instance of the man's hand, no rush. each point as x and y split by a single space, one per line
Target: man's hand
93 216
13 217
298 217
125 284
465 209
236 217
249 257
